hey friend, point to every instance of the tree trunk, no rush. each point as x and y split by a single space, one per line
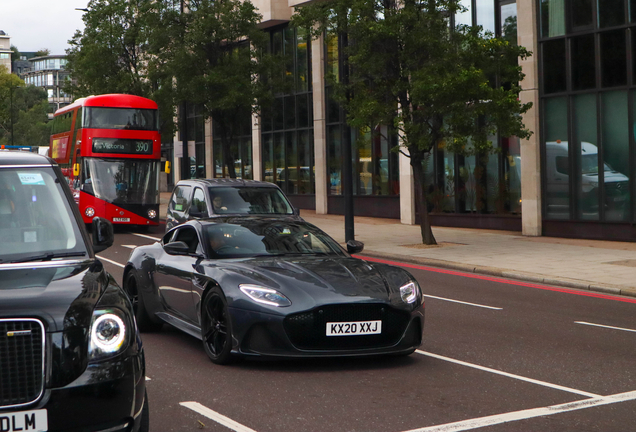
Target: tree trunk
420 200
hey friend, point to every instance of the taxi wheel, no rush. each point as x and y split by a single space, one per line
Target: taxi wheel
145 323
216 330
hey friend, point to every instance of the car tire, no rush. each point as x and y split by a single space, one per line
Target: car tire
145 322
144 424
216 328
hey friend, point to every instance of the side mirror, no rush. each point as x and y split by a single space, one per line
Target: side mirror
354 246
103 234
296 211
176 248
194 212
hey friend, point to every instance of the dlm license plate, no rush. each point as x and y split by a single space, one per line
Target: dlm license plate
354 328
121 219
32 421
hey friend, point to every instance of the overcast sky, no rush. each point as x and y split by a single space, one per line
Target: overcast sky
38 24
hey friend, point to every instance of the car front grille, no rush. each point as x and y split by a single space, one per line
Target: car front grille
307 330
21 361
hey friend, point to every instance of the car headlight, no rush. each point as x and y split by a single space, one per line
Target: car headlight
264 295
410 292
108 335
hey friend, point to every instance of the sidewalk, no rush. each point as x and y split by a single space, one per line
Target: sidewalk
602 266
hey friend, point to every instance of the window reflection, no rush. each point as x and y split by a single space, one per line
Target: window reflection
557 159
552 18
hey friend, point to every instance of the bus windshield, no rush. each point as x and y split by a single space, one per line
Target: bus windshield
122 181
121 118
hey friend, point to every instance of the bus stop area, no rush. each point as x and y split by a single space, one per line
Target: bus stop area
598 266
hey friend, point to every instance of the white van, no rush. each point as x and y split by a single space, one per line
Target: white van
557 180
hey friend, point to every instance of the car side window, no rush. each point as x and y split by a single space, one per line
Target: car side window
167 237
199 203
179 199
188 235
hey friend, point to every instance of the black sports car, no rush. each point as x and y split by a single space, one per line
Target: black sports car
273 287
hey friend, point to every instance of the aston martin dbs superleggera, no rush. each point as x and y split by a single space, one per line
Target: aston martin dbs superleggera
256 286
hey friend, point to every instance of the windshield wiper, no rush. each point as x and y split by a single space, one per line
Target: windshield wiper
48 257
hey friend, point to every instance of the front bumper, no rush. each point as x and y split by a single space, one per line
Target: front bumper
108 396
263 334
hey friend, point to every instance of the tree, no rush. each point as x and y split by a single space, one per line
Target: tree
23 109
42 52
438 87
15 53
111 55
218 58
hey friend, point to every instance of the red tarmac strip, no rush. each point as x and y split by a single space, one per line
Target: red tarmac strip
500 280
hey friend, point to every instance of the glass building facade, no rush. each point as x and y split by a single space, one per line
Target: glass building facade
287 133
587 111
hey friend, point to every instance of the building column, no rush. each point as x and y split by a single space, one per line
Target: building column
407 189
257 149
320 128
209 150
530 148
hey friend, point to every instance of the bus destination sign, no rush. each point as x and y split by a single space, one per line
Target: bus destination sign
125 146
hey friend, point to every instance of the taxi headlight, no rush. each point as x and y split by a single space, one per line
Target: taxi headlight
264 295
108 335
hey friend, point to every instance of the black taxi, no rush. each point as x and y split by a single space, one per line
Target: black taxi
71 358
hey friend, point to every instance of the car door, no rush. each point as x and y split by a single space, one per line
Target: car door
199 207
173 276
178 206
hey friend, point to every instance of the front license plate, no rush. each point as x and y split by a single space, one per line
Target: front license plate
354 328
121 219
32 421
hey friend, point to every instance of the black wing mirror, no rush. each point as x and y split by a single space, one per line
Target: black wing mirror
354 246
177 248
103 234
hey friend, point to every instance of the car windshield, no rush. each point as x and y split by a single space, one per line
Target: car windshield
249 200
122 181
251 238
36 220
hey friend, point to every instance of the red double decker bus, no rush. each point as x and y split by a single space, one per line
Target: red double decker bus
109 149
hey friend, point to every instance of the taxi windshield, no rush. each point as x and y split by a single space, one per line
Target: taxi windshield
36 220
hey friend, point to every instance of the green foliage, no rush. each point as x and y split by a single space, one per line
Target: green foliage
15 53
24 106
215 56
436 86
42 52
109 55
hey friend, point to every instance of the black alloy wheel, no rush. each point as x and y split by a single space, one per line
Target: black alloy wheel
145 323
216 329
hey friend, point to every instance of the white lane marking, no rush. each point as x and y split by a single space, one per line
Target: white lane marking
219 418
604 326
146 236
529 413
462 302
148 379
110 261
130 246
509 375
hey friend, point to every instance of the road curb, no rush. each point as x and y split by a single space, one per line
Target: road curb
506 273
